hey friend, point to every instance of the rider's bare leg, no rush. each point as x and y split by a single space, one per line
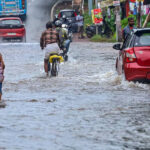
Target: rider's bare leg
46 66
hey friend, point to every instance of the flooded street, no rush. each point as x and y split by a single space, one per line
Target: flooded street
87 107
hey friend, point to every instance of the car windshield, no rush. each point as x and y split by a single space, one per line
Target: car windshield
68 13
8 22
142 38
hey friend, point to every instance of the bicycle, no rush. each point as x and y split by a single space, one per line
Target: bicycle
53 64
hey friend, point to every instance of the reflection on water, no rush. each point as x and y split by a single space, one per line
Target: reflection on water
87 107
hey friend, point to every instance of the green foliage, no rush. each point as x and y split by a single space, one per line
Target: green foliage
98 38
87 19
111 21
114 37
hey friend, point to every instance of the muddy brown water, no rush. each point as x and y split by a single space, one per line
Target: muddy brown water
87 107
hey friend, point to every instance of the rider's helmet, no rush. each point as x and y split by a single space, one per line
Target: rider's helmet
64 26
58 23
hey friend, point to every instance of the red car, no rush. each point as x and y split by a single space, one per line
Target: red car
12 28
134 56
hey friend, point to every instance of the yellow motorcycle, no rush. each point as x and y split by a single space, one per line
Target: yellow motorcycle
53 64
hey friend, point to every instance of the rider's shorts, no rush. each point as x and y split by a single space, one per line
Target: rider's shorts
51 48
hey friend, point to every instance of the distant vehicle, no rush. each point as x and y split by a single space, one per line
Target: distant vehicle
16 8
69 13
12 29
90 30
134 56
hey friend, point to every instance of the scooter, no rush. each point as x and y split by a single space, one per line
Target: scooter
90 30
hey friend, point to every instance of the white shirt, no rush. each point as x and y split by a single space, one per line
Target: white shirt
79 20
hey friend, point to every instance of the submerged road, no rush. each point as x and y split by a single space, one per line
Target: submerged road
87 107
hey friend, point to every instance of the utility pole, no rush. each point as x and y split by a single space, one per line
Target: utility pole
82 6
118 21
139 15
90 6
96 4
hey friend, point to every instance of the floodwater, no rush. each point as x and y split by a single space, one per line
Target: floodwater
87 107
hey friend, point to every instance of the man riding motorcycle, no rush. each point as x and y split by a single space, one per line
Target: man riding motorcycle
64 41
50 42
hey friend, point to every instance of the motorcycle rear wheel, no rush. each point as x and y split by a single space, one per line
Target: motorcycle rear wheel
55 67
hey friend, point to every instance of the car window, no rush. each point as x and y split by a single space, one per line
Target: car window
68 13
131 43
8 22
127 42
143 39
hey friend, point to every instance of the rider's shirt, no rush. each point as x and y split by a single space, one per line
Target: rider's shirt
49 36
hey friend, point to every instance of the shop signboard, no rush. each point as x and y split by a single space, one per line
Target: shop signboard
97 16
116 3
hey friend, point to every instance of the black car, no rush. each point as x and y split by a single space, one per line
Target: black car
69 14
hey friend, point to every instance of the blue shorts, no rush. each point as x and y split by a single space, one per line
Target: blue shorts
0 88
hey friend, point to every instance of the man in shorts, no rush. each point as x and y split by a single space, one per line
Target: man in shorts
49 41
80 22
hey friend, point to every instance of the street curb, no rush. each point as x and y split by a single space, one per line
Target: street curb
53 7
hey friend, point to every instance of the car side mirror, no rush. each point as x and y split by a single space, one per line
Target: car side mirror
117 46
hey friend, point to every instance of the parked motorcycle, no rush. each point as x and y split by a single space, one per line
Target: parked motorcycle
103 30
91 30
